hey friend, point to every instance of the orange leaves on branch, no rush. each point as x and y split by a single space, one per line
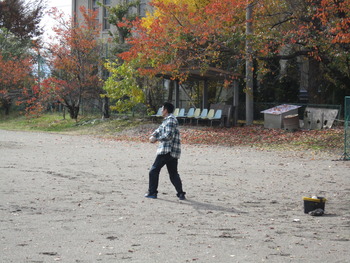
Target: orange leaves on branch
74 60
14 71
310 26
15 74
335 15
185 34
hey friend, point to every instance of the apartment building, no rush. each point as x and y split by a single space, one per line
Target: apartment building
106 28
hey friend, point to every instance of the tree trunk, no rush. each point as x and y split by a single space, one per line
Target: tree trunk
205 95
73 111
105 108
6 104
171 90
314 81
249 65
7 110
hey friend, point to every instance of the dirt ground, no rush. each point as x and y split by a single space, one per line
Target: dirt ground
81 199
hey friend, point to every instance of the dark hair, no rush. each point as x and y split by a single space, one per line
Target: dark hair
169 107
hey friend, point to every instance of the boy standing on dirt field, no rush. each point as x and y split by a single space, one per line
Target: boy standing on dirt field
168 153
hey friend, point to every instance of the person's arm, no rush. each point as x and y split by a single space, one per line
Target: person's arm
155 135
169 131
156 132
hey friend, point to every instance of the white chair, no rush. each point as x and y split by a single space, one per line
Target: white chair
195 115
176 112
204 114
210 115
158 114
216 117
181 114
189 113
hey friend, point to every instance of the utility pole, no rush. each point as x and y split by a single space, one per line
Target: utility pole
249 64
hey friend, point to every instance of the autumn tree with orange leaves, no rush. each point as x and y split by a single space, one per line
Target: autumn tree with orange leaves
19 24
16 69
316 32
181 35
185 34
15 75
74 60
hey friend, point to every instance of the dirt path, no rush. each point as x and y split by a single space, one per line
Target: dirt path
80 199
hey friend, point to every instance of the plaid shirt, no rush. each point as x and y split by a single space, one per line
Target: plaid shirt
168 136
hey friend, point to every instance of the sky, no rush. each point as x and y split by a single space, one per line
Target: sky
47 22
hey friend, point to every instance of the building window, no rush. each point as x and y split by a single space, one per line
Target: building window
95 8
141 8
95 5
106 25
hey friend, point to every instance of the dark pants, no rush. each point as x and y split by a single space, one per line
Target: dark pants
171 165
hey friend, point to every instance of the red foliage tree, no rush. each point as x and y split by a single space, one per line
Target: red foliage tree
19 23
15 73
315 30
211 33
181 36
74 61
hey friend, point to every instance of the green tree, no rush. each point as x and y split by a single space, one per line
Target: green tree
121 17
123 86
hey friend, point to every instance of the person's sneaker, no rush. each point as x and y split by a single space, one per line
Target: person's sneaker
181 196
153 196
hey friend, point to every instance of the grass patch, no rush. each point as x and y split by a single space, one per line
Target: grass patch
47 122
93 125
134 129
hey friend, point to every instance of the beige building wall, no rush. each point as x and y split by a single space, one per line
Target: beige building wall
106 28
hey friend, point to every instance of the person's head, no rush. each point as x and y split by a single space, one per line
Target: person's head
167 108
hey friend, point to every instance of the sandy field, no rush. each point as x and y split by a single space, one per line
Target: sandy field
81 199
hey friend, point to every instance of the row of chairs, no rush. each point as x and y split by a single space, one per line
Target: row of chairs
195 114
